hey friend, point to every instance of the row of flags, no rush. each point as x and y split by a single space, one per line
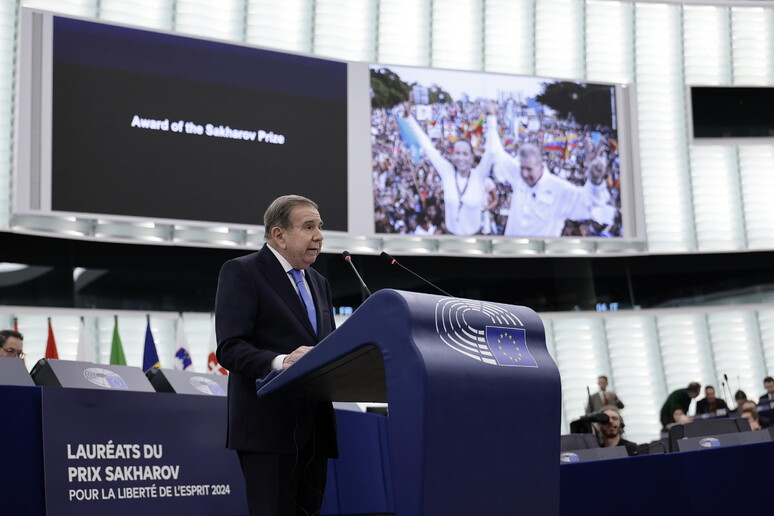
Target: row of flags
150 354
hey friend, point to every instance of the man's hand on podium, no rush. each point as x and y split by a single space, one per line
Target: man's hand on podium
295 356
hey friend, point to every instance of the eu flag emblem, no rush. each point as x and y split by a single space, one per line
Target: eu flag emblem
116 382
216 390
509 346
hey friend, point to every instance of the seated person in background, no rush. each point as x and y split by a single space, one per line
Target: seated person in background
739 398
710 403
751 415
750 405
681 398
11 344
611 433
603 397
767 398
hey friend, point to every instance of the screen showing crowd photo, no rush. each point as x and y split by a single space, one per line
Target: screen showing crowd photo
465 153
155 125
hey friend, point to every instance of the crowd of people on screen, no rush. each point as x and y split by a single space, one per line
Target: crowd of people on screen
443 168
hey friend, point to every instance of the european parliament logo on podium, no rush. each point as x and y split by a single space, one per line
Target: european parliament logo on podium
104 378
483 331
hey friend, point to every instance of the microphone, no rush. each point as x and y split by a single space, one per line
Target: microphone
363 288
393 261
728 388
720 412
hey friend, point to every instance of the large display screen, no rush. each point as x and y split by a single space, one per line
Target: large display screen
119 127
155 125
466 153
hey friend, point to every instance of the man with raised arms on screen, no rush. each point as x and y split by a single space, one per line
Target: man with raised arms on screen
271 307
541 202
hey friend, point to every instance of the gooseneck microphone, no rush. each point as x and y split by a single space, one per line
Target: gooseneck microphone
393 261
728 386
363 288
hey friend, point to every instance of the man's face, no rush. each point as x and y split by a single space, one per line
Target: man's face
602 382
710 394
12 348
612 428
462 157
302 243
531 169
597 173
769 387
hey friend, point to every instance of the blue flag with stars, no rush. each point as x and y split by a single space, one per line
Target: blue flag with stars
509 346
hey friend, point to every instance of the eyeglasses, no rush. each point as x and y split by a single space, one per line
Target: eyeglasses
14 353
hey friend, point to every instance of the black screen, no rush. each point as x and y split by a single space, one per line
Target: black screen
732 112
154 125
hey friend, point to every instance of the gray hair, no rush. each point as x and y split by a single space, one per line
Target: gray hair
278 212
529 149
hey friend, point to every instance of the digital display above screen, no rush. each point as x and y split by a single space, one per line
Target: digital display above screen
465 153
160 126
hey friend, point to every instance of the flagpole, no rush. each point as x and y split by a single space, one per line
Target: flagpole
413 166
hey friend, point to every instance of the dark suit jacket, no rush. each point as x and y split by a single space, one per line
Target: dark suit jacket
677 399
703 406
258 315
594 403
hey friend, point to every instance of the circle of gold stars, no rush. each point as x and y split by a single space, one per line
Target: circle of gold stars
508 336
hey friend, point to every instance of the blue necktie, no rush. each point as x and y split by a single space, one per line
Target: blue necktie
306 299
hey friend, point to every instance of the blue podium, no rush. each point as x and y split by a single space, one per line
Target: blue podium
474 400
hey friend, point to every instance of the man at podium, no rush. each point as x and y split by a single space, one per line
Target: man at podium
270 309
